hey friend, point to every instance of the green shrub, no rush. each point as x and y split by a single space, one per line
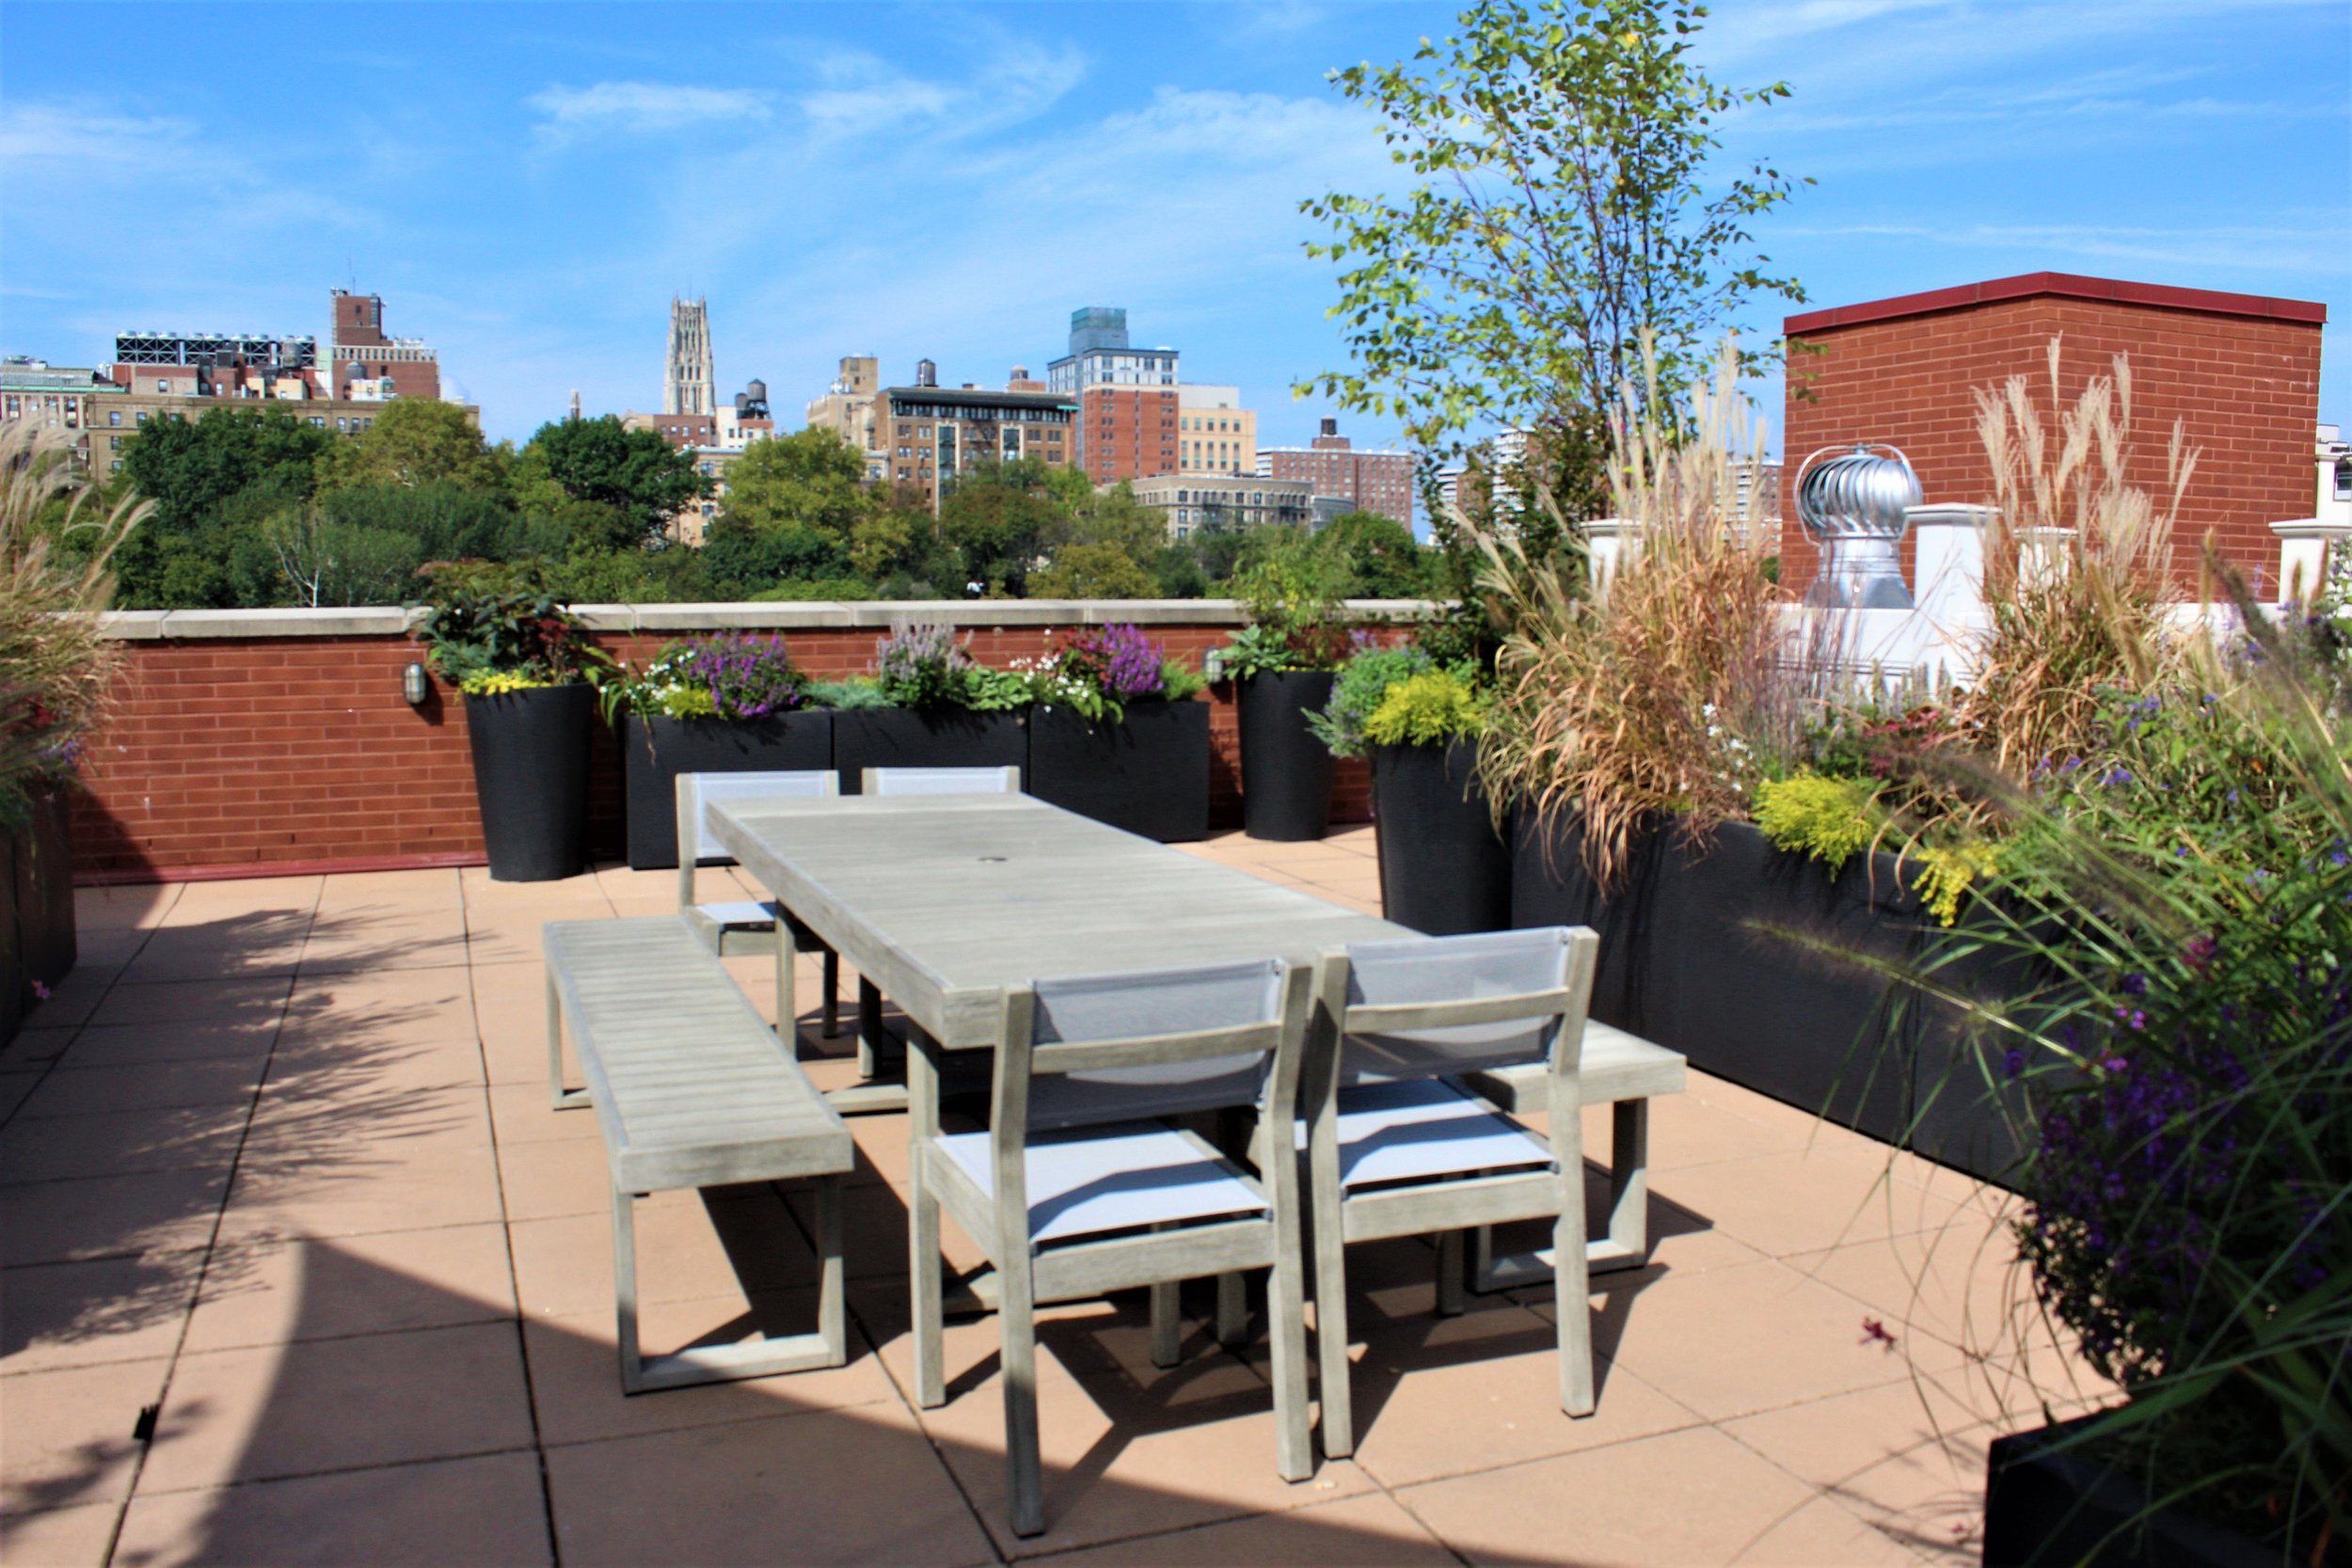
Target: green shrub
1363 682
1826 819
1427 709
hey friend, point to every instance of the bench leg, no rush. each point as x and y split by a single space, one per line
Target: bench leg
558 1096
1626 1246
833 993
1450 1303
869 1027
768 1353
1168 1322
787 991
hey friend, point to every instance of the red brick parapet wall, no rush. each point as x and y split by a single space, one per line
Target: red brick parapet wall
2240 372
271 742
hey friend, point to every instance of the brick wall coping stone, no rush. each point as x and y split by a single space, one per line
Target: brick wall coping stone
190 625
2063 285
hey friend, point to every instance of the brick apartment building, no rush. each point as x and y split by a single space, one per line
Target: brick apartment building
359 353
1380 482
2240 372
927 434
1127 398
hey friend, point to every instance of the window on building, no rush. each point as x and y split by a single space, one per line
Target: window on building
2343 479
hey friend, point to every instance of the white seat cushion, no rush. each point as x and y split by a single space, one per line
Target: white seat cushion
1423 1128
742 912
1120 1176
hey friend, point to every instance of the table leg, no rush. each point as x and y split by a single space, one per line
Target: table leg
1626 1246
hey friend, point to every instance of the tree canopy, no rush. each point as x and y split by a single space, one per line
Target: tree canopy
413 441
811 479
632 476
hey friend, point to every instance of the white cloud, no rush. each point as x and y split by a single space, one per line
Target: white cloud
641 108
58 133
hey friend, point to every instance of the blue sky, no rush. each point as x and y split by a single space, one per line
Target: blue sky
528 186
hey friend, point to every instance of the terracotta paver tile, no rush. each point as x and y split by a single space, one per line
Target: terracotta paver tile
183 1137
132 906
205 901
1907 1457
685 1252
1736 1340
550 1179
253 1003
433 888
486 1510
74 999
68 1437
1129 1449
138 1045
16 1088
35 1048
575 1380
1441 1396
1810 1203
519 1114
331 1404
108 1216
1367 1529
77 1091
875 1219
273 1292
856 1487
349 1166
61 1538
1682 1499
82 1314
264 943
1964 1289
375 939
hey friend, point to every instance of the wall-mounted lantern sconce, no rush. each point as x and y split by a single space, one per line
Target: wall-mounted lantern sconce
1213 666
415 686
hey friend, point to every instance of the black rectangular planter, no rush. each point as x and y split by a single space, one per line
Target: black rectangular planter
1148 775
655 750
866 738
2044 1509
1691 958
38 944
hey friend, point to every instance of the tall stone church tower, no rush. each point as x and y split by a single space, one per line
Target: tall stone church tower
688 388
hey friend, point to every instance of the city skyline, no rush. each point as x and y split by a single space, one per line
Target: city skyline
951 182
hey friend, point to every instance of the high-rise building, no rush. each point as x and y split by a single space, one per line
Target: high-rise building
1215 434
1127 398
688 387
1380 482
361 361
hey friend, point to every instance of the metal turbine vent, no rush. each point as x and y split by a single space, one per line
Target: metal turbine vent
1853 505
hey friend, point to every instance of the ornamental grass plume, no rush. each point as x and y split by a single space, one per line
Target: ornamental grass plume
2077 565
1652 695
58 667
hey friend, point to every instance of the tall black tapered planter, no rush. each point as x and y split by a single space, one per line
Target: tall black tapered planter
1285 770
1443 868
655 750
1148 773
531 776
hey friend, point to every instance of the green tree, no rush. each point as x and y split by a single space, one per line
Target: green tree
630 476
811 479
741 560
413 441
1561 212
999 518
1379 557
215 480
1094 572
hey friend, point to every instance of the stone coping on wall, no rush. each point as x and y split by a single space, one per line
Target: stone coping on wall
151 626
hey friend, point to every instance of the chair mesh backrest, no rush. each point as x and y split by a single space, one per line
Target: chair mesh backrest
1451 969
1101 1007
698 791
942 781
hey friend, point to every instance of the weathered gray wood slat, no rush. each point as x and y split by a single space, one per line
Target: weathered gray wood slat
943 900
690 1084
692 1090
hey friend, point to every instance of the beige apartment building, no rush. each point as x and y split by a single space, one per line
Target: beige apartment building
847 409
1215 434
1194 502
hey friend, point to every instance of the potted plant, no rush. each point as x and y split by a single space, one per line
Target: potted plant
57 668
520 658
1115 734
1282 665
717 704
1443 867
928 704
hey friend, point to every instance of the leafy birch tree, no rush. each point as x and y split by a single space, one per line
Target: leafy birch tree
1561 206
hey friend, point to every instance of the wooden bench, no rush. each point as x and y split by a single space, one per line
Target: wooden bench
692 1090
1624 1072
